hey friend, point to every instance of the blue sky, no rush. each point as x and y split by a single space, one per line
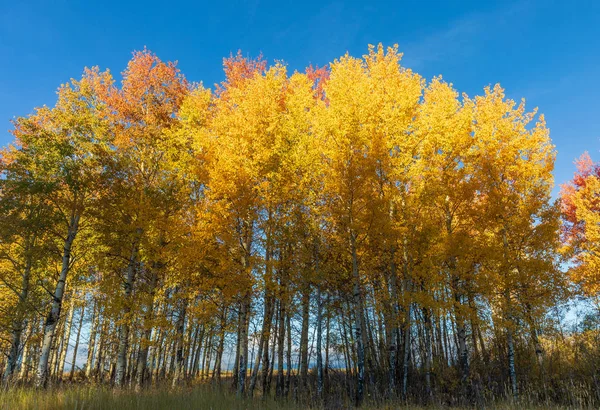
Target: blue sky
543 50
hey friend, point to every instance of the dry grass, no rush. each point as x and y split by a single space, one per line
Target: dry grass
200 397
100 398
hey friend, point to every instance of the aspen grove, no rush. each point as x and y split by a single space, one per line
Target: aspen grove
347 234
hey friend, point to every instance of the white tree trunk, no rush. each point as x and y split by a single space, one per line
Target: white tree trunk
57 298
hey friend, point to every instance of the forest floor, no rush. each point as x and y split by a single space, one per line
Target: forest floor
100 398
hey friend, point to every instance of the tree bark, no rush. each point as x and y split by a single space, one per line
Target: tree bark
196 354
263 343
92 340
319 339
65 345
359 325
125 327
221 346
19 323
76 347
406 350
26 355
511 348
288 379
279 389
179 340
243 357
57 299
392 331
428 353
304 338
267 385
461 335
146 333
511 362
265 357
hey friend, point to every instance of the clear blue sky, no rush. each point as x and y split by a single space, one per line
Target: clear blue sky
544 50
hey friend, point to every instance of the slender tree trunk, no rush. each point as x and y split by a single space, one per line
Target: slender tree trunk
304 338
408 287
161 368
267 385
265 359
236 366
461 336
406 350
511 348
57 299
100 350
348 352
243 357
245 312
461 332
19 323
279 390
511 362
204 356
359 325
190 347
264 340
76 347
288 379
142 359
125 326
327 340
173 354
92 340
392 331
67 336
446 342
134 351
439 341
221 346
263 348
156 350
146 332
371 342
55 350
428 353
209 352
11 363
509 319
199 346
179 340
539 350
319 339
26 355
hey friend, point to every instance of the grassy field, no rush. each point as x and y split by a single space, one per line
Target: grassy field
201 397
103 398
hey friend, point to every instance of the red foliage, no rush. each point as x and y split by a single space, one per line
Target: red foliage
585 167
239 68
319 76
151 91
